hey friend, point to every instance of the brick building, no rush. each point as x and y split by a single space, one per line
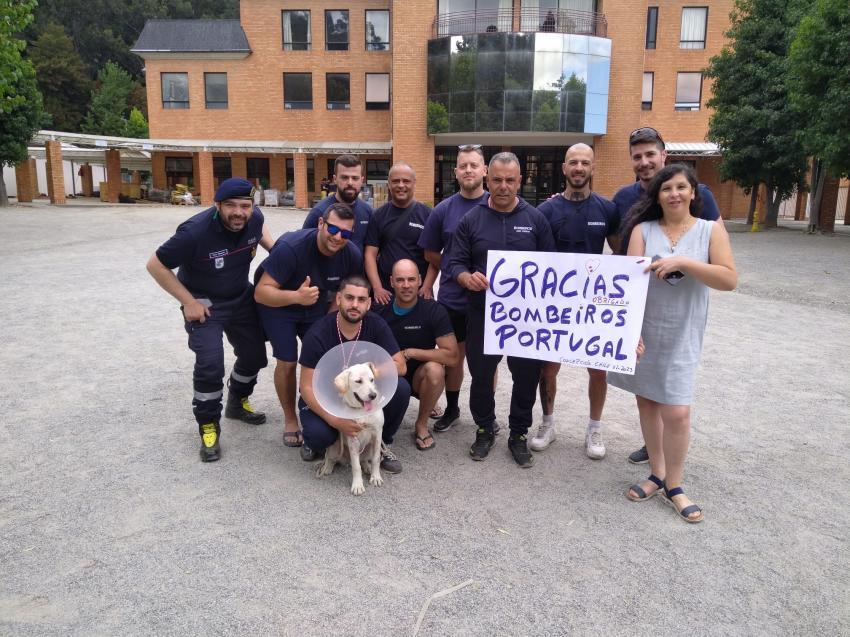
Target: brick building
277 94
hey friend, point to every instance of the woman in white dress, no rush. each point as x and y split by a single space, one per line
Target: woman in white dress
688 256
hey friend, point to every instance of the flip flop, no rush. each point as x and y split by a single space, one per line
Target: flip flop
423 440
642 495
437 412
686 512
292 439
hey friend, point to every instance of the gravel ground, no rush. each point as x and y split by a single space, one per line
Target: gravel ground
109 524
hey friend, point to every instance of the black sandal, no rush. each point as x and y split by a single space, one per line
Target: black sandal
684 513
642 495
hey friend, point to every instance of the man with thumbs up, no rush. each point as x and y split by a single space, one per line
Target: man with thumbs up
296 286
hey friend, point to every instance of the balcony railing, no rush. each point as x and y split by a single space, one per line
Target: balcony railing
530 20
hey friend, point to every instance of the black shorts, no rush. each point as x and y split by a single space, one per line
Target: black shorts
458 319
412 366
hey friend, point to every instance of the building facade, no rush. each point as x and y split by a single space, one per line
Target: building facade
277 94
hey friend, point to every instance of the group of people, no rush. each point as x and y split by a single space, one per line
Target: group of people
356 274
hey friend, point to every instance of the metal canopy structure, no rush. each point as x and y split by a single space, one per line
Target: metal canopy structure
215 146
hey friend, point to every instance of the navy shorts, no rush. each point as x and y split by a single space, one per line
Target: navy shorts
458 319
283 330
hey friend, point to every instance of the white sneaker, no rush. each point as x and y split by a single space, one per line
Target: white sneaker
595 446
545 437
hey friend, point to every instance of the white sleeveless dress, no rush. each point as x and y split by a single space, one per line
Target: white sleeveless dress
673 322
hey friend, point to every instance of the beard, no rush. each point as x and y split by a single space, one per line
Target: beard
348 195
351 320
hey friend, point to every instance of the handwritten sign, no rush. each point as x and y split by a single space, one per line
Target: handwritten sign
580 309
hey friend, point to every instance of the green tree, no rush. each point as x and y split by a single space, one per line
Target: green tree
21 113
819 85
753 121
108 111
438 118
62 78
137 125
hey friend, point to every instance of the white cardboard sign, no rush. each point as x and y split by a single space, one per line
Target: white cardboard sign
580 309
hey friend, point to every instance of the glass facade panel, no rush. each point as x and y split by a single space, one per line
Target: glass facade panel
493 82
377 30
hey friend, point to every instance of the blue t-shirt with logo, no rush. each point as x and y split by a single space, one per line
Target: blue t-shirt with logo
581 226
437 237
396 241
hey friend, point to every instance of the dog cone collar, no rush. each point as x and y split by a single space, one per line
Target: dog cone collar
345 355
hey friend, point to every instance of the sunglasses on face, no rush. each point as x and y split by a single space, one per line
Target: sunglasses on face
345 234
645 133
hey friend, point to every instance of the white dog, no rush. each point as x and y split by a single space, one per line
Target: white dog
357 387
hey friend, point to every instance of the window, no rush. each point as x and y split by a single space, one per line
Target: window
296 30
646 94
377 169
298 91
258 170
338 91
179 170
377 91
336 30
377 30
175 90
215 90
221 170
651 26
688 91
693 27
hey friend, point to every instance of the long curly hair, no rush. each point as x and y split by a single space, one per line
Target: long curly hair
647 207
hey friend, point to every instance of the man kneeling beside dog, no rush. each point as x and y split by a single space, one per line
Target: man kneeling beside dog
353 321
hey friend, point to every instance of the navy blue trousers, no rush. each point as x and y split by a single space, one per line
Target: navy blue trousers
238 321
525 375
319 435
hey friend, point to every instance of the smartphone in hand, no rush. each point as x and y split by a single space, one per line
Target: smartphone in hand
673 277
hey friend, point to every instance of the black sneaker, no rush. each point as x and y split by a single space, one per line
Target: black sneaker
519 450
241 409
640 456
445 422
389 461
308 455
484 440
210 432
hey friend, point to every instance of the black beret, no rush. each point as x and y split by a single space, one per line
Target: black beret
235 188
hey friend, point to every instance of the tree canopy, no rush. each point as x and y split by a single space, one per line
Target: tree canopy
109 102
753 120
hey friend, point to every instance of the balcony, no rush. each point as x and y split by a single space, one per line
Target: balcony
524 20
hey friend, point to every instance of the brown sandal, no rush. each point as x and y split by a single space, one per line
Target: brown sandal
292 439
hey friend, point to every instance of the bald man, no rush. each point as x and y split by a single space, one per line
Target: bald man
426 337
581 221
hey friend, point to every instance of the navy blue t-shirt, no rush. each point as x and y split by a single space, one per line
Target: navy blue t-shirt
362 215
581 226
404 242
420 327
213 262
483 229
628 196
323 336
437 236
295 255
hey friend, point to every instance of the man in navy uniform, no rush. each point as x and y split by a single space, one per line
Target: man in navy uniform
505 222
648 154
213 252
352 322
436 240
581 221
296 286
348 180
393 234
424 333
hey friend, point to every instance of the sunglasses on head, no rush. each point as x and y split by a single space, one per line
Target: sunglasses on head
645 133
345 234
465 148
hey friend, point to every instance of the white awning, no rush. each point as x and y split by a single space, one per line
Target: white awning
692 149
217 146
